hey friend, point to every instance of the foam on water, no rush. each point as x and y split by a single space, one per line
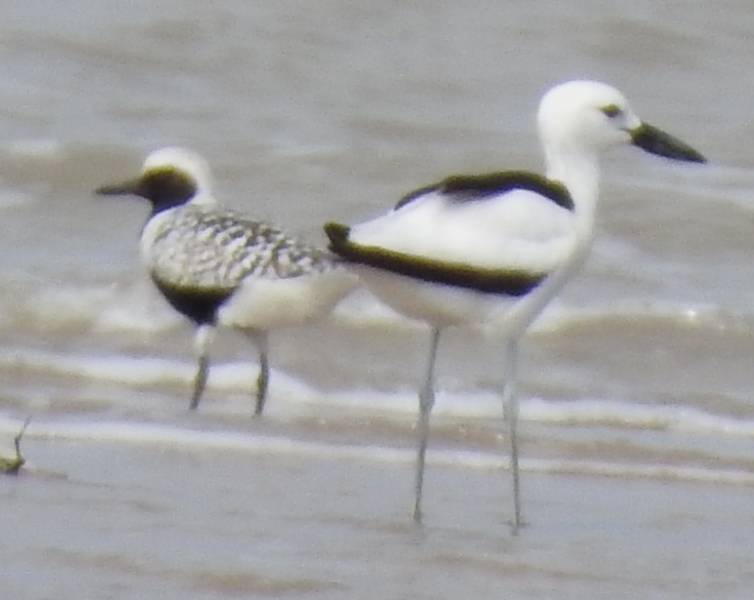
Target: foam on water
106 308
633 416
295 395
700 315
127 370
135 308
191 440
361 310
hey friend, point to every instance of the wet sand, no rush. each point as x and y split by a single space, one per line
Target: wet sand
150 518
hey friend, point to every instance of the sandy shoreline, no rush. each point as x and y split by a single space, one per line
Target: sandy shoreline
148 518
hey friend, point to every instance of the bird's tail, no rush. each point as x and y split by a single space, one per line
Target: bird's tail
338 235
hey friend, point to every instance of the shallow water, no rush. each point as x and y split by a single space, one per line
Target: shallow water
637 411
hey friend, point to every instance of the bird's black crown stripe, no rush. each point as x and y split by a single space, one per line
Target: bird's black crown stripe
494 281
199 305
478 187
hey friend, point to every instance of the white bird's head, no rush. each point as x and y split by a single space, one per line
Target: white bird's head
589 116
170 177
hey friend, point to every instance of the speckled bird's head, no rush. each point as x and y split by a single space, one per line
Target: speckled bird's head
170 177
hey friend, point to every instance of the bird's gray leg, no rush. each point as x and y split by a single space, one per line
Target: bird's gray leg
510 414
202 343
426 402
261 341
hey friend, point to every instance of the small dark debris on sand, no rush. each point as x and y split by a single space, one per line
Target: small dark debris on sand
11 466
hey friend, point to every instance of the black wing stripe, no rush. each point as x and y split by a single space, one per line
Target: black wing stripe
494 281
462 188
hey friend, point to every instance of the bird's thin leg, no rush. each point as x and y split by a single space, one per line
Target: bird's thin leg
426 402
261 341
202 343
510 414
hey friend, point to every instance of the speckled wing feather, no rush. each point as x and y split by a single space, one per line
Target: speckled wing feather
203 247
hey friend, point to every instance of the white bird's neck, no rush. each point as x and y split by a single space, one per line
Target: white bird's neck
579 171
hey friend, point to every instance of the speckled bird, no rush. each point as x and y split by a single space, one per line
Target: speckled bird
218 267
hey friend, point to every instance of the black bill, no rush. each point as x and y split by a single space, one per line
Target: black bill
119 189
653 140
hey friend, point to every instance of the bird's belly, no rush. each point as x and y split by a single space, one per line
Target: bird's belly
268 303
439 305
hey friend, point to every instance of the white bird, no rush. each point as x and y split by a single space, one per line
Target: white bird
469 247
218 267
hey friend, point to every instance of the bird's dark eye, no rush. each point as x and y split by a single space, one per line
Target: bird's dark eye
611 111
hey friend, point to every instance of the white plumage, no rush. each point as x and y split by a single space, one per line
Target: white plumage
527 231
468 247
218 267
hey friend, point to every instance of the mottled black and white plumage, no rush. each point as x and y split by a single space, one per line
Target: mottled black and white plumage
470 249
218 267
203 247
